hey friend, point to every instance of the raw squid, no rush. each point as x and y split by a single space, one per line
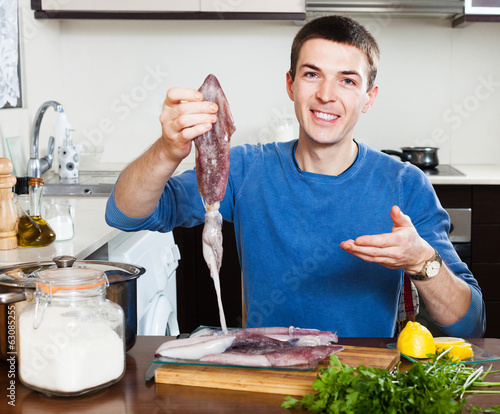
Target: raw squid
212 171
260 347
256 341
286 357
194 348
239 359
303 337
297 336
302 355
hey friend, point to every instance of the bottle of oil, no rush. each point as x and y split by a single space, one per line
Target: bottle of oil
33 230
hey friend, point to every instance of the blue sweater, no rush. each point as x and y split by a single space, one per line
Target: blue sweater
289 225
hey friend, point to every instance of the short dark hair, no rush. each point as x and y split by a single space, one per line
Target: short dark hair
339 29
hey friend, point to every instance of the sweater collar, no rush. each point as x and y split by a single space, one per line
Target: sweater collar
297 168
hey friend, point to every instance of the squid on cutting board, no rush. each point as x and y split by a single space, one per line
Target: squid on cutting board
212 171
257 347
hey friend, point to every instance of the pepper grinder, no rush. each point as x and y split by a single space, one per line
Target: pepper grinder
8 216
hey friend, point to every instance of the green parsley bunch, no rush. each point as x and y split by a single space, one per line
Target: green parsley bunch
437 387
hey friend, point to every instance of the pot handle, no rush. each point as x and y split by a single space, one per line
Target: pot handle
64 261
12 297
396 153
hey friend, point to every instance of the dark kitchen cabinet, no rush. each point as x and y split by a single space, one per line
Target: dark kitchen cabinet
485 241
486 251
196 297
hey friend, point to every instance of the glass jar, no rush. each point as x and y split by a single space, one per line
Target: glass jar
59 216
72 340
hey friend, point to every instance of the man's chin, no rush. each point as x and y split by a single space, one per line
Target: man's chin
325 141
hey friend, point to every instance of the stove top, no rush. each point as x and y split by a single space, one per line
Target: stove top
444 171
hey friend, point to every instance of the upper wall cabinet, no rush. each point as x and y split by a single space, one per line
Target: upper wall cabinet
170 9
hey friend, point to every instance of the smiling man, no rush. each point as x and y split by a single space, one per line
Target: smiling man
321 235
330 90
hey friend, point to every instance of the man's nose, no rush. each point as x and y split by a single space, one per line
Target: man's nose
327 91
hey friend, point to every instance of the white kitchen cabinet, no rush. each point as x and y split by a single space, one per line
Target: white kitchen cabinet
119 5
171 9
256 6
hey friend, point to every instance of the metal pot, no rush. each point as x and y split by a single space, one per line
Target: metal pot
17 290
422 157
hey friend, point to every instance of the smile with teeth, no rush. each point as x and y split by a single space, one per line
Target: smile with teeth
324 116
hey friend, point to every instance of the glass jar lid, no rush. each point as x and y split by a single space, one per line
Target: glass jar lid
52 280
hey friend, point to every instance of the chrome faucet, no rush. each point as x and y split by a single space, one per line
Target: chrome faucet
37 166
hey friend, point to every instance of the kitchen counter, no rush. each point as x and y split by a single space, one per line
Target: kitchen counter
133 394
474 174
91 232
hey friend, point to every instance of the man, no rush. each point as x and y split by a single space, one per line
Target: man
321 234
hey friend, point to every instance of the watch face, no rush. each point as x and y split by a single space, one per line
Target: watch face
433 268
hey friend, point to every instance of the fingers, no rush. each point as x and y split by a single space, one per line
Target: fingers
190 126
379 240
401 234
184 117
188 101
385 248
178 95
185 108
392 250
399 219
391 256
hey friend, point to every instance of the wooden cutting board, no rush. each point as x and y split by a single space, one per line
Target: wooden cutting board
270 381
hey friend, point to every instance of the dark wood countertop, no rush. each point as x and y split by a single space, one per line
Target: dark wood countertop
134 395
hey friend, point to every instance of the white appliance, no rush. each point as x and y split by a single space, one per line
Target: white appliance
156 288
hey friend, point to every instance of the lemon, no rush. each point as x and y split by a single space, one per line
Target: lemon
447 341
460 350
416 341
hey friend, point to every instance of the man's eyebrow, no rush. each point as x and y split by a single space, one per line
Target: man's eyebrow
310 66
350 72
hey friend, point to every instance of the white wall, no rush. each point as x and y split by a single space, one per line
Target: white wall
109 81
438 85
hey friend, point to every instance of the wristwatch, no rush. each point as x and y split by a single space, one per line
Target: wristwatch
431 268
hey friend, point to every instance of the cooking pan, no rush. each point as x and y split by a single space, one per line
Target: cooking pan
422 157
17 290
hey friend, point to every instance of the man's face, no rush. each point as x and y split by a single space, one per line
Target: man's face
329 90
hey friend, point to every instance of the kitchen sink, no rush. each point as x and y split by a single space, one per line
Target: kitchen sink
88 184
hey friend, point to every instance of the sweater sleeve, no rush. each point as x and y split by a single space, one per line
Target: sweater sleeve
116 218
180 205
433 224
473 323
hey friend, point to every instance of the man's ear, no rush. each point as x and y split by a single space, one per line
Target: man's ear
372 94
289 85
